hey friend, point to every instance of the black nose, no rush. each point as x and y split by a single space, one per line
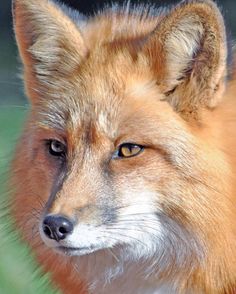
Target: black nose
57 227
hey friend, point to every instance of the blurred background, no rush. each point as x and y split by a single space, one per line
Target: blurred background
18 271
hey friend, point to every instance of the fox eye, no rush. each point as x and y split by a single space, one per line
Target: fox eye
56 148
127 150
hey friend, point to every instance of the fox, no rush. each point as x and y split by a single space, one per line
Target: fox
124 175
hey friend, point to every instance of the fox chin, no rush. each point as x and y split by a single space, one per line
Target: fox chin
126 166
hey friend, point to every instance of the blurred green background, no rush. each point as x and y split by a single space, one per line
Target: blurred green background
18 272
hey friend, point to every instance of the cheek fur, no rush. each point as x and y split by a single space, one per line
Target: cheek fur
137 218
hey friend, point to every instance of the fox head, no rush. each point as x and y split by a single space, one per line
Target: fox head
119 150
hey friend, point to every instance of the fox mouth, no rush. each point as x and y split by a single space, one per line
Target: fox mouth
75 251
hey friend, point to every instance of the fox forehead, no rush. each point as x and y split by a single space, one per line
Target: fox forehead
93 95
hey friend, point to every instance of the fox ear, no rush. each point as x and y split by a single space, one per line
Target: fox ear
187 52
49 42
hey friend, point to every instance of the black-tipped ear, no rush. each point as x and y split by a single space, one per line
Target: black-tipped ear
188 54
49 42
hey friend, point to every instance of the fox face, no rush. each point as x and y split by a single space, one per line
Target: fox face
116 153
108 164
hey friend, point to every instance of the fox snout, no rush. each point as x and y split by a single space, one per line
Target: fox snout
65 235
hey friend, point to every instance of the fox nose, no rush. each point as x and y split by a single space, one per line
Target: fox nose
57 227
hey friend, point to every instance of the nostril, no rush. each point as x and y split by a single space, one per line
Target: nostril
57 227
47 231
62 230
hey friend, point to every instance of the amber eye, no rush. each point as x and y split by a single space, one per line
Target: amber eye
128 150
56 148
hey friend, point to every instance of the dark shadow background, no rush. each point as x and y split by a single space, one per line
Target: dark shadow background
10 85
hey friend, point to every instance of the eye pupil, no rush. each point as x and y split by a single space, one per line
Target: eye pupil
128 150
56 148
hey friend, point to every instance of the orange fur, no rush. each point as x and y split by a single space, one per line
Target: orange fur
157 81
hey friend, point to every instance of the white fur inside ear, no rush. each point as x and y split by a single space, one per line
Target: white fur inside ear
182 43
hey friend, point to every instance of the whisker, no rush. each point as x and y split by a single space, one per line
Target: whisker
126 236
119 225
152 234
113 254
24 107
11 83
